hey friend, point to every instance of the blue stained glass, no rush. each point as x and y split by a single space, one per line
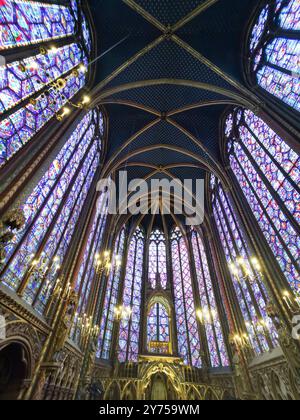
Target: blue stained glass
187 327
268 171
86 34
157 271
251 295
20 79
289 16
30 22
276 62
21 126
158 329
215 339
130 328
110 301
75 165
31 82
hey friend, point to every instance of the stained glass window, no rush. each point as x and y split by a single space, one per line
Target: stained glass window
111 300
86 33
52 210
34 89
251 294
275 55
87 270
187 326
130 327
21 79
209 309
158 329
30 22
268 171
157 271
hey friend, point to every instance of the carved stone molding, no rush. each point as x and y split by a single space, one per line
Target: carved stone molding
11 303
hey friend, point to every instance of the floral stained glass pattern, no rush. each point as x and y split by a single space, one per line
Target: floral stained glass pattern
275 61
251 295
130 327
157 271
268 171
29 22
111 301
187 326
51 212
214 333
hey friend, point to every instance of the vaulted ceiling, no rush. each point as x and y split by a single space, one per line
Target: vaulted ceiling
175 67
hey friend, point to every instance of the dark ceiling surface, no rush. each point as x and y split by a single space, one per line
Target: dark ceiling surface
171 79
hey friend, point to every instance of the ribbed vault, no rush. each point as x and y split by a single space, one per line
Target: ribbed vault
166 87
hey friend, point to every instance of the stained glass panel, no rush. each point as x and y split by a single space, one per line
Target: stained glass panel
29 22
275 58
251 294
130 328
268 171
20 79
34 89
51 211
214 334
187 326
17 129
158 328
157 260
110 301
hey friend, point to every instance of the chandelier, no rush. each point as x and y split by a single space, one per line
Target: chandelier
104 263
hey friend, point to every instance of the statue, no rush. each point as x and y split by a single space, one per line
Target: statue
288 344
14 220
65 324
241 380
86 374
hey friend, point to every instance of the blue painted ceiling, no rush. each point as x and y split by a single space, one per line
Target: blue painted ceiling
183 82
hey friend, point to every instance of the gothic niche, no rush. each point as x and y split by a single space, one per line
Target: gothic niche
14 370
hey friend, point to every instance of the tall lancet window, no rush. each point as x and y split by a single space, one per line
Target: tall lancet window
52 210
35 88
111 299
275 49
87 271
268 172
130 327
251 295
157 271
187 327
209 310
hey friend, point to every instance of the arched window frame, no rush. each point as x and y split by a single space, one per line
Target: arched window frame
47 78
266 170
157 259
35 256
188 334
208 303
87 271
251 297
111 295
271 32
129 335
